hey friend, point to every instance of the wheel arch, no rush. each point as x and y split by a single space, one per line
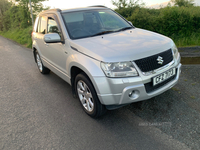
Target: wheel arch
74 71
34 50
81 63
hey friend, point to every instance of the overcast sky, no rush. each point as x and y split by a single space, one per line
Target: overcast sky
197 3
65 4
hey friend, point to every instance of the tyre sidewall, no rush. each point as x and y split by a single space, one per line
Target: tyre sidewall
44 69
36 53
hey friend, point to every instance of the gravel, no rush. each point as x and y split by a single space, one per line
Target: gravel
189 51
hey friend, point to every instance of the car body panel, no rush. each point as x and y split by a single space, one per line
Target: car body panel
124 45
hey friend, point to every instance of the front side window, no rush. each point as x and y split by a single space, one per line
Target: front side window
89 23
52 26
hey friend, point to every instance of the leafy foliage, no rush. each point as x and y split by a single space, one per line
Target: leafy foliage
185 3
179 23
16 14
168 21
15 19
120 4
4 6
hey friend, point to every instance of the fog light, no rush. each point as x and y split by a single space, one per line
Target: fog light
134 94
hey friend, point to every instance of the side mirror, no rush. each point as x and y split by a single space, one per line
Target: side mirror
52 38
130 23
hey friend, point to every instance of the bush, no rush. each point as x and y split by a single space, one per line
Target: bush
21 36
175 22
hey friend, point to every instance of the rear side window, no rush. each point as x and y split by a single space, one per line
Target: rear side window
42 27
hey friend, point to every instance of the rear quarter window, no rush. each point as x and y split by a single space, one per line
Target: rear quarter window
35 25
42 25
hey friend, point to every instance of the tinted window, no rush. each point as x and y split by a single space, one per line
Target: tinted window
52 26
93 22
109 20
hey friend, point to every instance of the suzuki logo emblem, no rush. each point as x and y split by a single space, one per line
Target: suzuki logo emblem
160 60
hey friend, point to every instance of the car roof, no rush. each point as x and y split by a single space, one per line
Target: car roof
73 9
83 8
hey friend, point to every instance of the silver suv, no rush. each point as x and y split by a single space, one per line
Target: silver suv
108 62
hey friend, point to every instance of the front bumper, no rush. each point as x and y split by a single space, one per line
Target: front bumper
116 91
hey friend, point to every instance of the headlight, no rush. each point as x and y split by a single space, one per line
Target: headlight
119 69
175 51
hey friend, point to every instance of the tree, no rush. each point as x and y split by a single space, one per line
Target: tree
184 3
126 4
25 10
16 13
4 6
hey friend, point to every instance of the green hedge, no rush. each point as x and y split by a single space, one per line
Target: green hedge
180 23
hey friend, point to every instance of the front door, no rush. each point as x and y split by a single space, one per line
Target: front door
56 50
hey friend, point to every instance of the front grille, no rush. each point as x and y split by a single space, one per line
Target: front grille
151 63
150 88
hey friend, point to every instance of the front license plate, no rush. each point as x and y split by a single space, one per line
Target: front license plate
164 76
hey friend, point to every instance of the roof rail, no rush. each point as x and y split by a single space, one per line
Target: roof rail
57 9
98 6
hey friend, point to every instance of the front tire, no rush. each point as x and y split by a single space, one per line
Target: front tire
40 65
88 97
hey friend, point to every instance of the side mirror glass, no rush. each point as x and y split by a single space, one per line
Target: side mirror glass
52 38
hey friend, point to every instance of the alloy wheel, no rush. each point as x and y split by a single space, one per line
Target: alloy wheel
39 62
85 96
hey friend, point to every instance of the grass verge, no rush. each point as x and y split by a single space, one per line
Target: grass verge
187 41
21 36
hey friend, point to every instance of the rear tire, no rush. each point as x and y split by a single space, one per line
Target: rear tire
88 97
40 65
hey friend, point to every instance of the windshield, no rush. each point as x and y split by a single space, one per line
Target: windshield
90 23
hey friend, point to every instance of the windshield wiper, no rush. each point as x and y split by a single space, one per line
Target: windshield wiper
122 29
110 31
101 33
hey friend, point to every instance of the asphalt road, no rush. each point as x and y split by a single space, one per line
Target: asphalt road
38 112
